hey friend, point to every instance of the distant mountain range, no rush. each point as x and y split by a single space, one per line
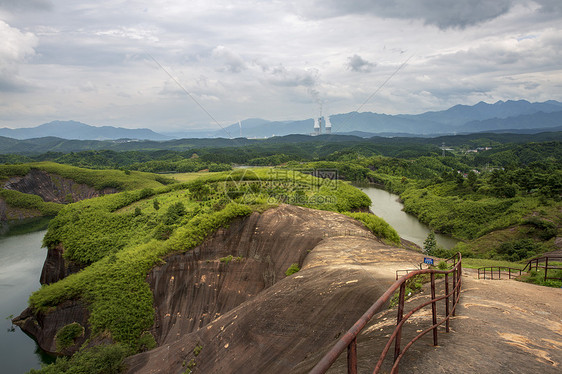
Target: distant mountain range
503 116
80 131
518 116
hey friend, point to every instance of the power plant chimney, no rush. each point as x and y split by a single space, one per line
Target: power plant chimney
328 126
316 126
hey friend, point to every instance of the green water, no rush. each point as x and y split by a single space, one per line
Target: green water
388 207
21 261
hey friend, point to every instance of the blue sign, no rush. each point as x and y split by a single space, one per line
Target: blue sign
428 260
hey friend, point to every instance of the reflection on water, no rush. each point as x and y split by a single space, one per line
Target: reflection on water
21 260
388 207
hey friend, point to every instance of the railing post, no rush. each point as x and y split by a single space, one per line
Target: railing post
447 301
398 319
545 268
352 357
455 287
433 308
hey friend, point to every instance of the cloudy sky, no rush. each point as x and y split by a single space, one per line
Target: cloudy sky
135 63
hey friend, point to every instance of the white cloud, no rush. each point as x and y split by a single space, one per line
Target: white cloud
269 59
16 47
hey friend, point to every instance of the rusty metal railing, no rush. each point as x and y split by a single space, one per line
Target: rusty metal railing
536 262
498 271
544 262
349 340
403 272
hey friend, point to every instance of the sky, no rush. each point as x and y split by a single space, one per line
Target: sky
180 65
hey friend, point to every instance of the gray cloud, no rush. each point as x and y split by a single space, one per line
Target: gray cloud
232 62
280 76
26 5
358 64
441 13
550 6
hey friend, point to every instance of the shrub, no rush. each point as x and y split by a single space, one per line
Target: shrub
66 335
106 359
294 268
146 342
377 226
519 249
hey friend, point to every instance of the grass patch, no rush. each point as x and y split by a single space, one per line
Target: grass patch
188 177
476 263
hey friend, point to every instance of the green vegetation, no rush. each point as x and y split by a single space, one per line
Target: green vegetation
198 348
294 268
99 179
377 226
118 245
27 205
503 202
66 336
537 277
476 263
413 285
33 204
106 359
226 260
430 244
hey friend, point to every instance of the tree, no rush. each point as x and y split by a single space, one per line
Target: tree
430 243
459 179
472 179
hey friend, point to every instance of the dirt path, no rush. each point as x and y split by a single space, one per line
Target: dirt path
502 326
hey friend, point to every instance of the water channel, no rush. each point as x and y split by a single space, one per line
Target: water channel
21 261
388 207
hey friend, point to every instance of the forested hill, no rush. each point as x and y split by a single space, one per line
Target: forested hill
52 144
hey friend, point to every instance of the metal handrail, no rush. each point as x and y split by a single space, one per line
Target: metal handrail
499 271
406 271
349 340
545 267
530 264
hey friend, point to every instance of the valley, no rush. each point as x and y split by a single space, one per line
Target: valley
141 264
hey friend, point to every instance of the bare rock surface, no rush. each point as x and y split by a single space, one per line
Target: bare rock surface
44 326
56 267
501 326
247 316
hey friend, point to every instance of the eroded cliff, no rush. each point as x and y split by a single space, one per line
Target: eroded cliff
245 315
230 301
53 188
